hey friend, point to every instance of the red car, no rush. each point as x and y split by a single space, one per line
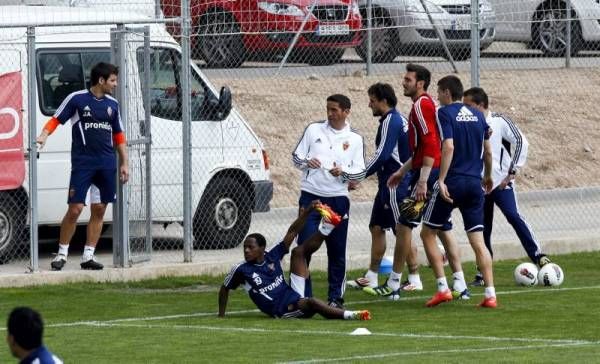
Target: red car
228 32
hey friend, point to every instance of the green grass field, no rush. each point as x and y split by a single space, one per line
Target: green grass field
174 321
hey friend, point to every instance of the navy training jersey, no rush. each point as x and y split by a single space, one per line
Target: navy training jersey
94 121
468 128
264 282
392 146
41 355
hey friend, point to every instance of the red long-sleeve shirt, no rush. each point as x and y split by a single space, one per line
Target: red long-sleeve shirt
423 132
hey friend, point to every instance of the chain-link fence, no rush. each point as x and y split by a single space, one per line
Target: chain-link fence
281 59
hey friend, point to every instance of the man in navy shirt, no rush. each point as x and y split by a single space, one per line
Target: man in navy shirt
392 152
262 277
96 133
465 146
25 330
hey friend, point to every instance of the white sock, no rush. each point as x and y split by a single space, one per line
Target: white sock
459 283
298 284
415 279
442 284
348 315
88 252
394 280
63 249
373 278
490 292
325 228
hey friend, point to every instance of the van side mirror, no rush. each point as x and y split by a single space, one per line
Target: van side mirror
223 108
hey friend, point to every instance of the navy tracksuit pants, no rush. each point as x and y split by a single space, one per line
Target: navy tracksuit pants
506 202
335 242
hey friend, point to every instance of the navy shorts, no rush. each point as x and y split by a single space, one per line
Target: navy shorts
287 306
81 179
413 177
468 197
386 211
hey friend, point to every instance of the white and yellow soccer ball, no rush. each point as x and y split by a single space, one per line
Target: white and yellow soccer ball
551 274
526 274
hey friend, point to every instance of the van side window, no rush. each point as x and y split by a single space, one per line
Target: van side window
165 85
60 74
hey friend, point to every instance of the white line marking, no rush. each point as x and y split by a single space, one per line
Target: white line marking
430 352
208 314
331 332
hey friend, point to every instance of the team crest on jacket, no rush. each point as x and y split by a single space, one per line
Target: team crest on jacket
346 145
109 111
271 266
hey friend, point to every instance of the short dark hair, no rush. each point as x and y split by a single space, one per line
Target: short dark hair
422 74
102 70
342 100
27 327
259 238
478 95
383 91
453 84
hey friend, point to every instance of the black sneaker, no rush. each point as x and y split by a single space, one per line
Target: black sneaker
477 282
92 264
58 262
543 260
337 303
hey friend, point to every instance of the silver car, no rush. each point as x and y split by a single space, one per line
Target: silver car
403 27
542 23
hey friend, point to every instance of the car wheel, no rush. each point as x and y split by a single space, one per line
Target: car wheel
223 216
384 41
325 57
220 41
12 226
549 32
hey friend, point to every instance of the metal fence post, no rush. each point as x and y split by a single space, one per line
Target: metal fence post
569 24
369 37
120 213
32 129
148 146
187 130
475 47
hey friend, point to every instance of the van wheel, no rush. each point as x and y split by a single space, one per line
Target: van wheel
220 42
12 226
223 216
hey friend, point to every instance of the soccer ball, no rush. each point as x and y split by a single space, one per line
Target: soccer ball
526 274
551 275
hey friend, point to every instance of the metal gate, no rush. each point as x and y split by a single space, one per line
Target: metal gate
132 215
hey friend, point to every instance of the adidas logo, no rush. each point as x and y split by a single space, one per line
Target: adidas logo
318 140
254 275
466 115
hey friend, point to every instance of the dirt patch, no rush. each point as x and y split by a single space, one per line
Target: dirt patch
556 109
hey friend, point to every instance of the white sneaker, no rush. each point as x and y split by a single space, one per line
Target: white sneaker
58 262
408 286
360 283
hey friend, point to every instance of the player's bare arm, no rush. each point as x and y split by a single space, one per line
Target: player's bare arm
395 178
123 163
48 129
223 298
447 154
421 187
487 181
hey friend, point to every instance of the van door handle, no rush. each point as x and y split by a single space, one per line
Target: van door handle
26 155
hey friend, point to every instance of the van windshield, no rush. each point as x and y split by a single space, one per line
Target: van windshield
165 85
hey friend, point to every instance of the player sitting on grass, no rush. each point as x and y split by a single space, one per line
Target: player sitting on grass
262 276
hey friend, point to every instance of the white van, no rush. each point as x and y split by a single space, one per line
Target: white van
230 169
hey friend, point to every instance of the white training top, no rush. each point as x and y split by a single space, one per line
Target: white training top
509 146
332 148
